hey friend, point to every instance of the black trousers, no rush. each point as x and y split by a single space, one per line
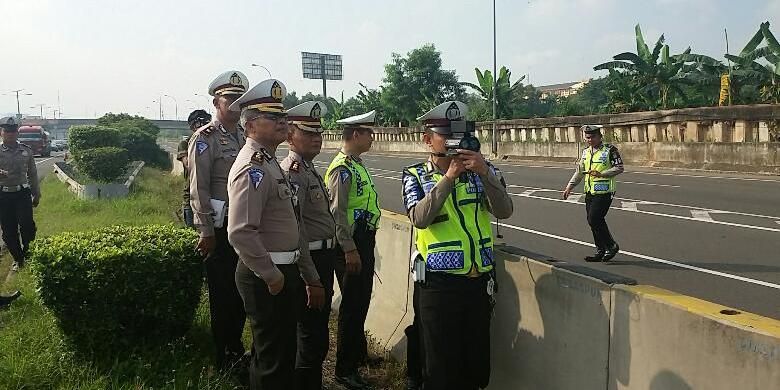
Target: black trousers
351 343
16 218
313 337
597 207
415 356
455 314
225 304
273 319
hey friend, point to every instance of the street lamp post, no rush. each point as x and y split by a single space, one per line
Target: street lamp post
495 76
159 102
41 105
176 106
266 69
18 106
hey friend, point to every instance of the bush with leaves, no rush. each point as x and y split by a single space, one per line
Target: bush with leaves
104 164
119 287
89 137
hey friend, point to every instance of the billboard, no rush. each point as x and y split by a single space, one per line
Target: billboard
321 66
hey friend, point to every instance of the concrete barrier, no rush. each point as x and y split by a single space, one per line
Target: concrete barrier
664 340
98 190
564 326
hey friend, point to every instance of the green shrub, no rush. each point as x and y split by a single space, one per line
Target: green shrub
82 138
142 146
104 164
119 287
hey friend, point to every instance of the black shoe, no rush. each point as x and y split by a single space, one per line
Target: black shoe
611 252
352 381
598 256
5 301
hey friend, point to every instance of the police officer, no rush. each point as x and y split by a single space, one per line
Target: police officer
19 192
355 206
195 120
599 165
449 199
265 228
305 140
211 152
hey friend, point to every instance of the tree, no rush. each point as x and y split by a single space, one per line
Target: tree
415 83
506 91
291 100
760 66
655 75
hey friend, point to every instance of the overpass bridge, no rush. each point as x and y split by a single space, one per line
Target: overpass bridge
58 128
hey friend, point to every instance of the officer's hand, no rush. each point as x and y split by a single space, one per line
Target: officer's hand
316 297
354 264
566 192
456 169
206 245
473 161
276 287
594 173
35 201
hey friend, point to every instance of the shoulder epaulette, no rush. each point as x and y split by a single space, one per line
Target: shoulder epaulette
295 166
258 158
207 129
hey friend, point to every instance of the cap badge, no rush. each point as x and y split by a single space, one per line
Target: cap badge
316 111
276 91
235 79
453 112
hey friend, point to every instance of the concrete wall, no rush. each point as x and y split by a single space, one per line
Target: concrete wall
564 326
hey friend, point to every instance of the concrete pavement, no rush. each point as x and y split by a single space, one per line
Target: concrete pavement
713 236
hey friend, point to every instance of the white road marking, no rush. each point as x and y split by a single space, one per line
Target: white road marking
646 257
42 161
575 198
649 184
702 215
630 206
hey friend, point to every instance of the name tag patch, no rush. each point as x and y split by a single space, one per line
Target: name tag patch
601 187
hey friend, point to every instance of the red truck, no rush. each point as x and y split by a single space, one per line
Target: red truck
37 139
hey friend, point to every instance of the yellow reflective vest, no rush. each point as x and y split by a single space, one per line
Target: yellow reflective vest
363 200
597 160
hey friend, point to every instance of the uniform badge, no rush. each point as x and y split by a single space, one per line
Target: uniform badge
344 175
255 176
208 130
235 79
295 167
267 155
201 146
453 112
257 158
295 187
276 91
223 141
316 111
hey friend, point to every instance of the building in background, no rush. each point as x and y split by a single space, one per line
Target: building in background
562 90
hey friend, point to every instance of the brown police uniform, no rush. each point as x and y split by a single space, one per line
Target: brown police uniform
313 337
18 186
211 152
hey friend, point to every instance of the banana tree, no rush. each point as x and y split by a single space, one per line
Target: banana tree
506 91
655 74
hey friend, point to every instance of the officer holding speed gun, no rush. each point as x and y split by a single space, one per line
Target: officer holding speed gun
449 199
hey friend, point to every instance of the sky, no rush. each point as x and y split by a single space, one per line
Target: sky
103 56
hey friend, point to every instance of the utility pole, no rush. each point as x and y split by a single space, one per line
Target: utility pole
18 106
495 102
176 105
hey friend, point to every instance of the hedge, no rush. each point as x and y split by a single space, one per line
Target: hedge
104 164
82 138
119 287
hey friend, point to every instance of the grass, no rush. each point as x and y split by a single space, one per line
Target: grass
34 354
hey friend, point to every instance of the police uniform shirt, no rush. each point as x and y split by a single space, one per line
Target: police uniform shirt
312 196
424 205
262 218
18 163
339 185
614 158
211 152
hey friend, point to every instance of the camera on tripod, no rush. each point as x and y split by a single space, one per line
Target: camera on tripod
462 137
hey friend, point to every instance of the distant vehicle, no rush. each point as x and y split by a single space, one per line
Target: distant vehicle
36 138
59 145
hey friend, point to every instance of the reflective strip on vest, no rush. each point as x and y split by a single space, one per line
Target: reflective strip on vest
465 237
363 202
600 162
